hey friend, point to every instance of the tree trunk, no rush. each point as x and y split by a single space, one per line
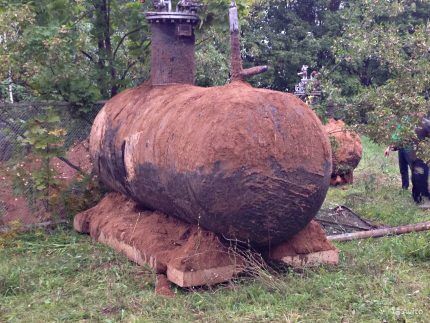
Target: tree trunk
107 78
10 88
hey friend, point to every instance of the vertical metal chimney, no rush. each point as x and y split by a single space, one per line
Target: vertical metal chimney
173 42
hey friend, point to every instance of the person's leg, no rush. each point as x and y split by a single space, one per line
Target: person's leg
404 168
426 178
420 173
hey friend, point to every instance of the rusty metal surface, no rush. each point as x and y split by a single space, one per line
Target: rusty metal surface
172 16
246 163
172 56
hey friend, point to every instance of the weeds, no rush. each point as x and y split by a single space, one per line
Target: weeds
256 267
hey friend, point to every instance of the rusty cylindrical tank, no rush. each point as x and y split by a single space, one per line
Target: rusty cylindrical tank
249 164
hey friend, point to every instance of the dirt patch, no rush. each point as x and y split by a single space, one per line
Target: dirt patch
162 286
15 207
347 151
246 163
78 155
163 242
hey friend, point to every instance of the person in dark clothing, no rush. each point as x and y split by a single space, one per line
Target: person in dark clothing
420 175
419 169
405 163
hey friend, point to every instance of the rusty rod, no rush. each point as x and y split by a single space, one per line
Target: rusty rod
378 233
235 55
237 71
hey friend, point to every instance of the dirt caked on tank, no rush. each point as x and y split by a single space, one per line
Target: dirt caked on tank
246 163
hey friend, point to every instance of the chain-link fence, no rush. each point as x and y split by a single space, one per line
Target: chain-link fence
14 120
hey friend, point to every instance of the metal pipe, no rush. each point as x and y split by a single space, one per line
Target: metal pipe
378 233
237 71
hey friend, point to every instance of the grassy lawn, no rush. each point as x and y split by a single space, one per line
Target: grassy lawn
66 277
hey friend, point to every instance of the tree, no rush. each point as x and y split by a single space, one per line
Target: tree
78 51
395 36
13 22
287 34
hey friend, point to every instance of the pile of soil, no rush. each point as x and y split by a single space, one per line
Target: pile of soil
168 241
347 151
250 164
186 253
311 239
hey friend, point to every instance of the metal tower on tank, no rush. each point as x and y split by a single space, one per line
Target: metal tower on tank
173 39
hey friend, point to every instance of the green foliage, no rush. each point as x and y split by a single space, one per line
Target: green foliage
215 12
393 40
212 58
80 195
287 34
44 135
45 138
78 51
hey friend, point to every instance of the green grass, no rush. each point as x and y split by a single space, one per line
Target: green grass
64 276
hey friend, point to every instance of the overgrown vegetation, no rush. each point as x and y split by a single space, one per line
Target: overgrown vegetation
46 140
62 276
36 176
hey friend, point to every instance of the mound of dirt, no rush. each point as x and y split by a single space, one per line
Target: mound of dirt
347 151
309 240
186 252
